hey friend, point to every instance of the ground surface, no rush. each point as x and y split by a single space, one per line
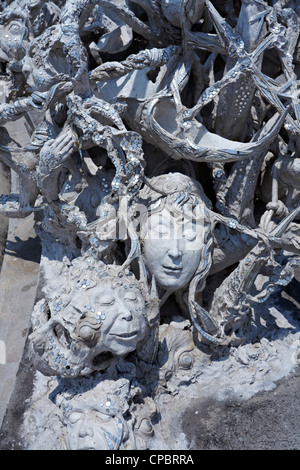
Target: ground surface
267 421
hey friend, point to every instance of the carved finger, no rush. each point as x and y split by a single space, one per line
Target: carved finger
278 207
68 148
63 135
68 139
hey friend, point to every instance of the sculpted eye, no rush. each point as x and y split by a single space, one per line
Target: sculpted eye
190 235
189 232
160 231
131 296
102 417
75 417
185 360
87 330
146 427
87 334
107 300
15 28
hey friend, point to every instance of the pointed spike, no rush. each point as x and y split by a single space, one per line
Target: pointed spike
280 229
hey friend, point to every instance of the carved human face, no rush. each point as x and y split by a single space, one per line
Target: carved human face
172 248
99 324
113 319
42 66
123 316
89 428
11 37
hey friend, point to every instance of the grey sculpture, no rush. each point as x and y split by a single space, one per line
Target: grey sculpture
102 316
163 164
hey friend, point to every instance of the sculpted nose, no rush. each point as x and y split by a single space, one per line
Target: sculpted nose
25 69
126 313
127 316
174 250
86 431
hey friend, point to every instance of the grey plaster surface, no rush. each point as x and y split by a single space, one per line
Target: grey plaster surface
13 416
267 421
18 283
18 278
4 189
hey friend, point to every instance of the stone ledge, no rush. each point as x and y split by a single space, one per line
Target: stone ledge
4 189
18 284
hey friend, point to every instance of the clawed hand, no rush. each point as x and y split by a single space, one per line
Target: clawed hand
57 151
279 208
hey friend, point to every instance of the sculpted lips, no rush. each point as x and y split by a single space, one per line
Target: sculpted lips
125 335
173 269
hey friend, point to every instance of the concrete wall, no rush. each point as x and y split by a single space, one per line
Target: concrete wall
4 189
4 183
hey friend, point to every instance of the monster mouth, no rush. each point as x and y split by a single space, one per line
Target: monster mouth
4 59
3 67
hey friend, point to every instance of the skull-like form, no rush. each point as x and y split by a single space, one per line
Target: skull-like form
13 33
45 63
